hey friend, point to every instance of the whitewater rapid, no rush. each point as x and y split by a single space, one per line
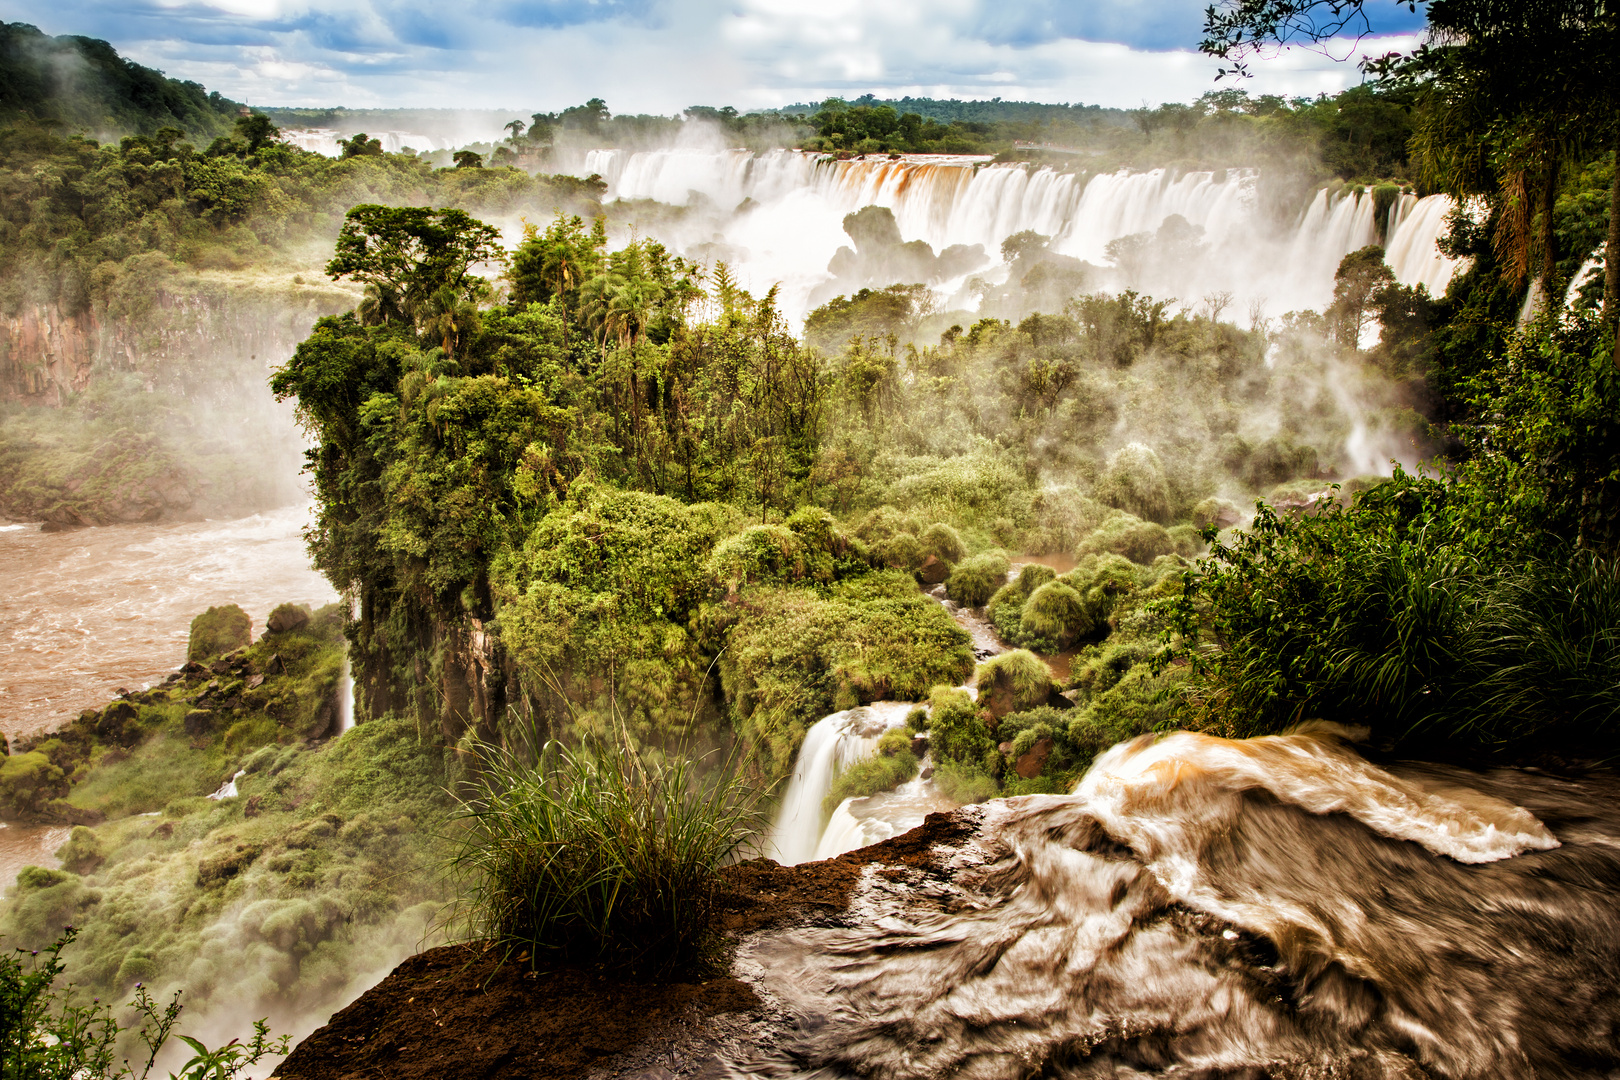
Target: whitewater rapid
1200 907
777 217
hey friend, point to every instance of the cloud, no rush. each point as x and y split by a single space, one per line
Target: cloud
663 55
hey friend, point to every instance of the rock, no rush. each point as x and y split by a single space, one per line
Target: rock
221 868
63 812
251 807
274 666
199 722
919 745
933 571
1033 760
119 723
255 682
1004 748
219 630
163 831
287 617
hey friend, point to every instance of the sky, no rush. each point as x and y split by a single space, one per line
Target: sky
660 56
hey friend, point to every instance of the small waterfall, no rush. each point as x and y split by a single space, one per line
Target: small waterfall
345 698
861 822
832 744
227 790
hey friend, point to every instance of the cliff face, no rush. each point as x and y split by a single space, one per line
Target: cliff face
152 403
178 332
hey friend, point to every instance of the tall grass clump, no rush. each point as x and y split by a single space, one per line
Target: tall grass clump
602 852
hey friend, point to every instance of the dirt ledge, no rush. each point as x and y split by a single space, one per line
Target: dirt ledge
454 1013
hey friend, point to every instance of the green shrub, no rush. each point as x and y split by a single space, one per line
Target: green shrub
29 781
956 731
1137 540
964 782
1134 482
975 580
1056 613
942 542
218 630
1014 682
601 853
83 851
885 769
761 553
1188 540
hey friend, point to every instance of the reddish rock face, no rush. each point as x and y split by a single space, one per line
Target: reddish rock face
1033 760
933 571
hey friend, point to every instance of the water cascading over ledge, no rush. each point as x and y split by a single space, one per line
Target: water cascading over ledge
783 216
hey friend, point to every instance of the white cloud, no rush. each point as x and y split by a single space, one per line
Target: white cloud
751 53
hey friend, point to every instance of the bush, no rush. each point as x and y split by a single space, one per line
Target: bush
976 580
598 853
879 771
1013 682
956 731
942 542
1133 481
218 630
964 782
1137 540
1057 613
899 552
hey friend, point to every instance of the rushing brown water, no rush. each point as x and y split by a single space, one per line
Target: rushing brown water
89 611
1211 909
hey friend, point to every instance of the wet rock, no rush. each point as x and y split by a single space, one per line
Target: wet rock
287 617
1033 760
221 868
919 745
62 812
199 722
255 682
219 630
933 570
119 723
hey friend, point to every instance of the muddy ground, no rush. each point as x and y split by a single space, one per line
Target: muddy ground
457 1013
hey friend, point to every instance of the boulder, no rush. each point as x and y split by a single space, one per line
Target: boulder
199 722
119 723
287 617
1033 760
219 630
933 570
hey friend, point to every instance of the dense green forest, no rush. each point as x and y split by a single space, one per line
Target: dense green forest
81 83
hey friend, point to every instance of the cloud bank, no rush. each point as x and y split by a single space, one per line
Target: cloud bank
663 55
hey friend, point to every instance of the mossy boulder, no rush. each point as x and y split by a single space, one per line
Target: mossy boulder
1123 534
28 782
1058 613
942 542
1221 513
287 618
217 631
1014 682
83 851
976 579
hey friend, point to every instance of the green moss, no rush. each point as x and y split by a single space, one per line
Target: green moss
942 542
28 781
217 631
879 771
1056 613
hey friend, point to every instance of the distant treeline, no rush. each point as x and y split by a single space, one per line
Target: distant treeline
82 83
994 111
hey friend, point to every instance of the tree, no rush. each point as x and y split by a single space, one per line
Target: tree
515 130
360 146
466 159
408 253
1361 274
257 131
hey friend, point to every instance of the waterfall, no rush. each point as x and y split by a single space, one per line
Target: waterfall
1412 251
777 219
832 744
345 697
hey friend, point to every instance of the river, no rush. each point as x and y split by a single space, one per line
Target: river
93 610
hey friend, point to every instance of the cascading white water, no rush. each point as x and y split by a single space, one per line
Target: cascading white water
1412 252
777 217
345 698
832 744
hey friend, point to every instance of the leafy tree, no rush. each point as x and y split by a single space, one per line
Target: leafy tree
360 145
1360 276
256 131
466 159
409 253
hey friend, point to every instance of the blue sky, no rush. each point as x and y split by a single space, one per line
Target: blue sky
663 55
